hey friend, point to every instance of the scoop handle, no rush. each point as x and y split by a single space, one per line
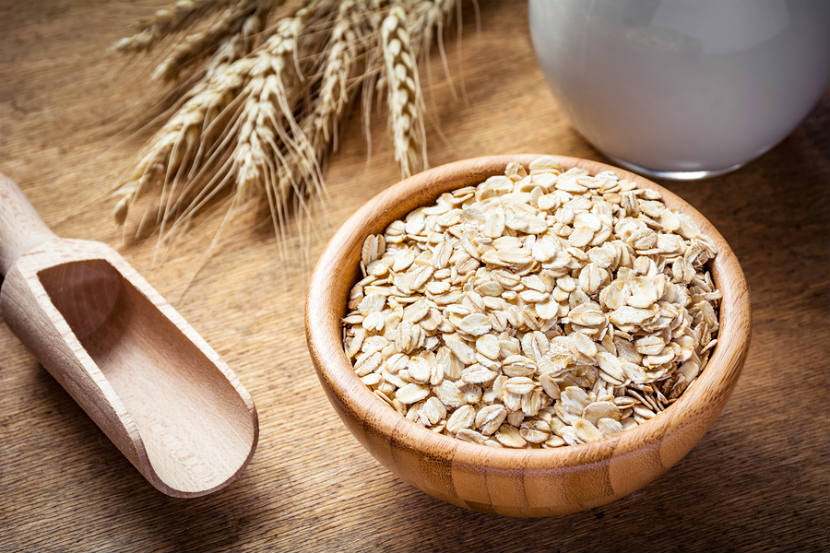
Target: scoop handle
21 228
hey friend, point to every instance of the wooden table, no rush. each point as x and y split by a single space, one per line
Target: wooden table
758 481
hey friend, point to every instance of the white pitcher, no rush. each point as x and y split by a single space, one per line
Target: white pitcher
684 89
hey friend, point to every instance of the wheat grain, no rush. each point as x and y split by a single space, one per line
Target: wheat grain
318 126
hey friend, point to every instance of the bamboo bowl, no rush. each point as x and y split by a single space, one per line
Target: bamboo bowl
514 482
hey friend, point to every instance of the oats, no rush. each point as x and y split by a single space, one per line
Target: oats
469 435
547 310
554 441
355 342
460 349
372 379
544 165
489 418
532 402
611 366
566 283
580 237
588 315
477 374
643 411
512 401
629 316
569 436
411 393
650 345
436 372
373 248
518 365
472 394
515 257
586 431
474 324
433 410
367 364
488 346
416 311
535 431
623 402
533 296
550 386
609 426
535 345
519 385
644 292
449 394
528 224
544 249
583 344
591 277
601 410
509 436
419 370
515 418
461 418
574 400
536 309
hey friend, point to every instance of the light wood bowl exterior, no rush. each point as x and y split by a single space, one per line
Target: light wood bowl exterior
524 483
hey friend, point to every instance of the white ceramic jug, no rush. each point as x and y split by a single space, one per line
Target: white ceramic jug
684 89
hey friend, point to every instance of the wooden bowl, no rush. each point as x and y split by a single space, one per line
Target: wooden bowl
514 482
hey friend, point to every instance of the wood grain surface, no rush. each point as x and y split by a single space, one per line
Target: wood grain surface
758 481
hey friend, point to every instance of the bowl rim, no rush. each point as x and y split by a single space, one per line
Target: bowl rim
324 331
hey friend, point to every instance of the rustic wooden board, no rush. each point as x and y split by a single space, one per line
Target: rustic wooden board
758 481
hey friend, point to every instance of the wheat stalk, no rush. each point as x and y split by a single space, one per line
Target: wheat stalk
259 113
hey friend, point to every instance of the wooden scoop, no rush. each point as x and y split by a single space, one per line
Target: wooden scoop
146 378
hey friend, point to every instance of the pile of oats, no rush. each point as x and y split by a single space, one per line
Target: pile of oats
534 310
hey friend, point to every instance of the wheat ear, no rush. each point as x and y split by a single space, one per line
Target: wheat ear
341 60
319 124
238 45
270 95
173 148
198 44
164 22
300 170
427 24
406 104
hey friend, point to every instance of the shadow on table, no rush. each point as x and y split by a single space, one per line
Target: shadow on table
721 497
114 490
